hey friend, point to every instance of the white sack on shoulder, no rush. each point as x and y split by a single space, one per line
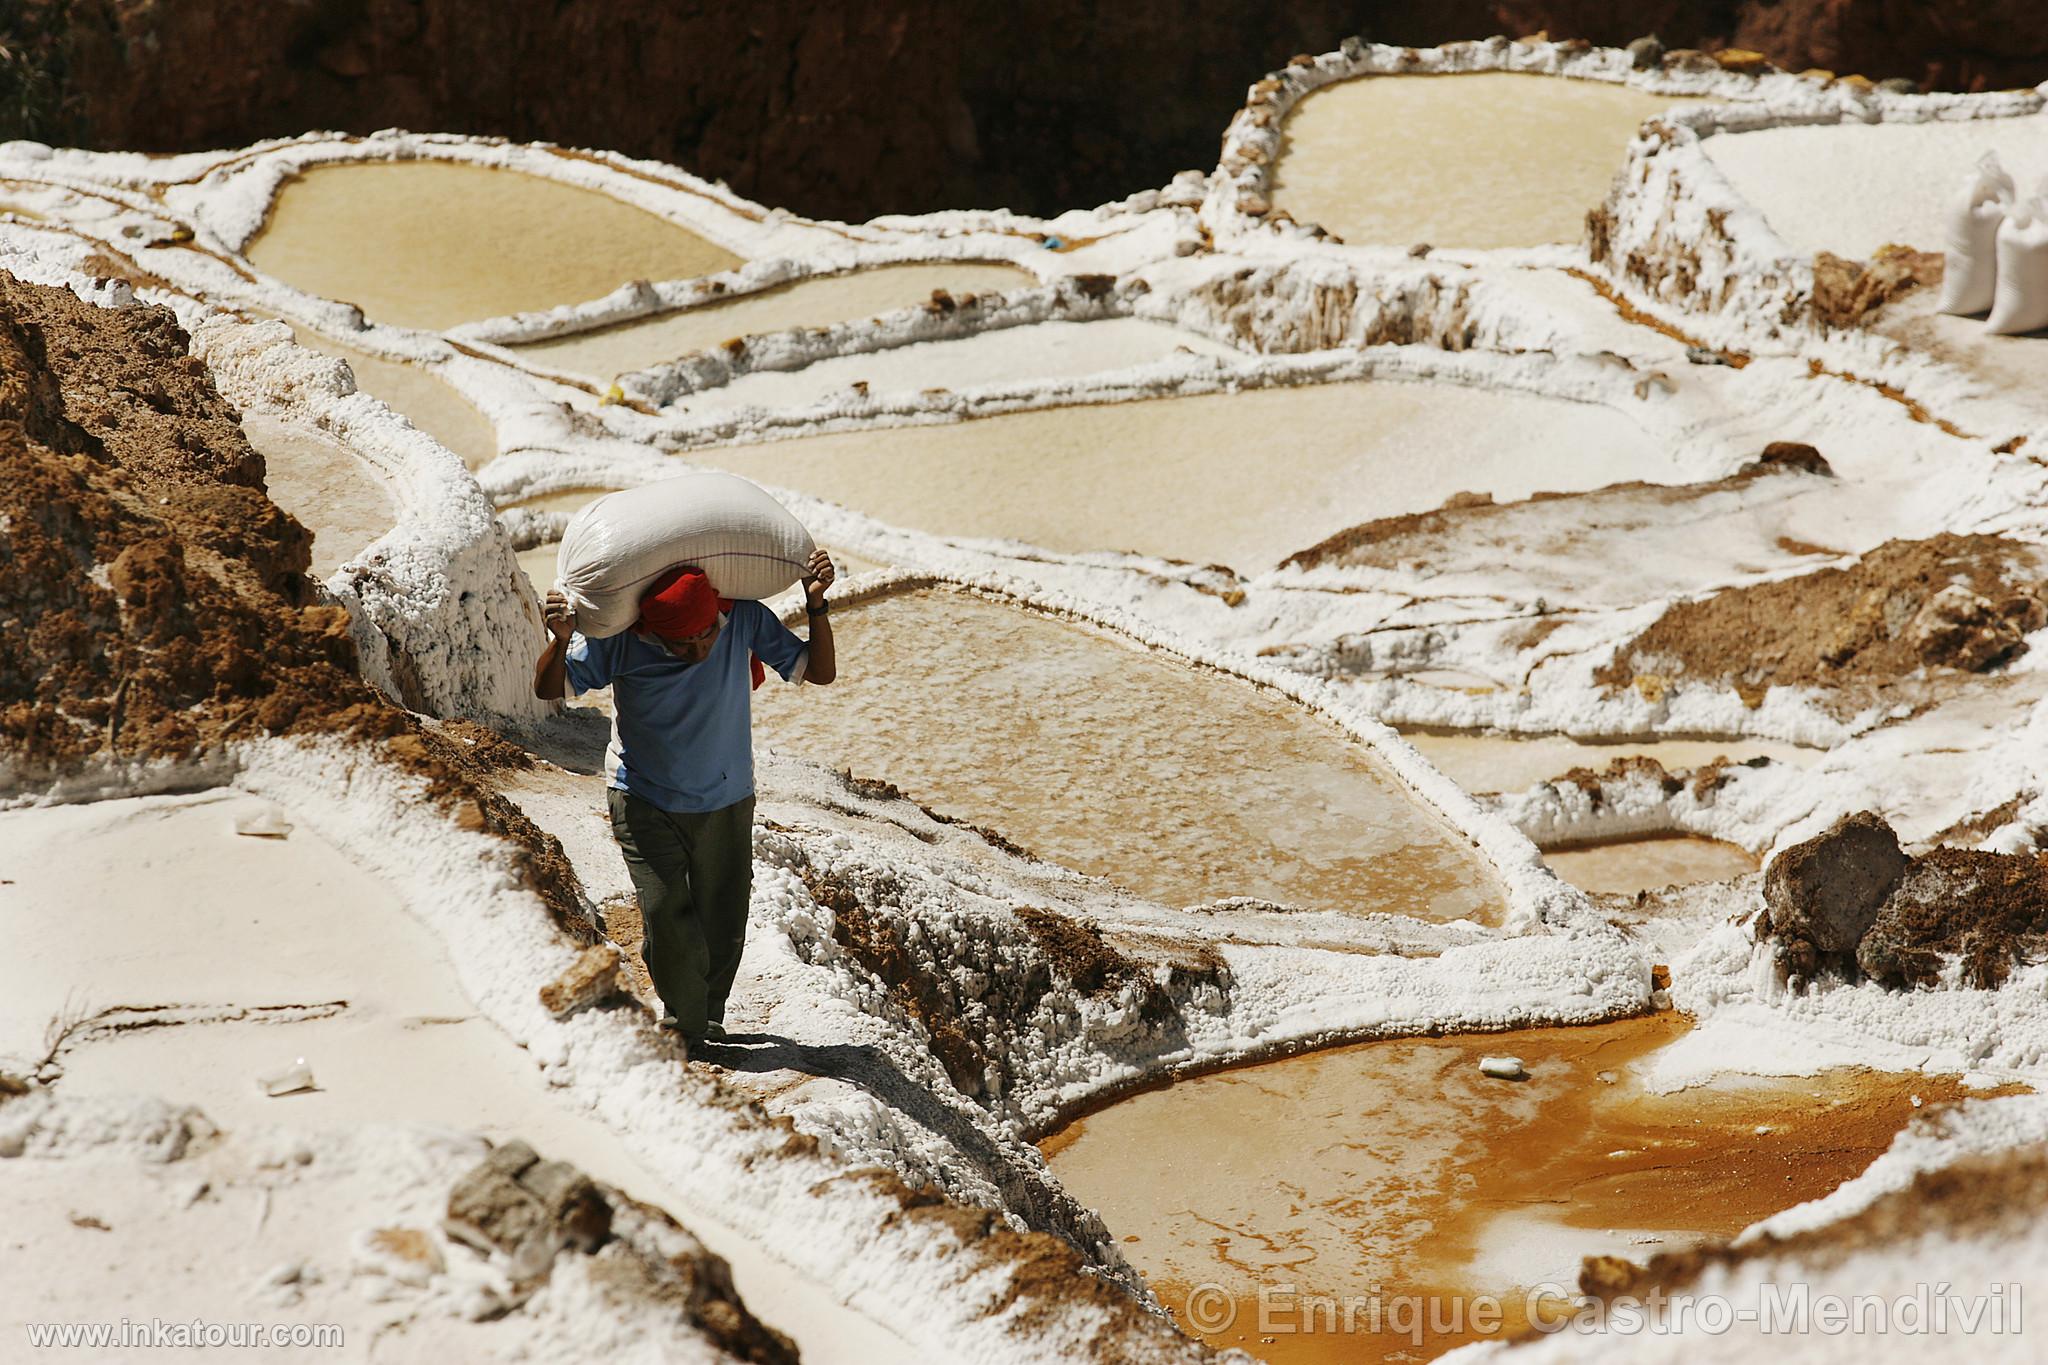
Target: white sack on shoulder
746 543
1970 276
2021 303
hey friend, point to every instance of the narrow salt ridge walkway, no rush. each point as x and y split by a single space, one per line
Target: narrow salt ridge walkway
231 955
1014 355
606 352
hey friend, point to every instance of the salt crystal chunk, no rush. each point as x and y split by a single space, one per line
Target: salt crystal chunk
296 1077
1505 1068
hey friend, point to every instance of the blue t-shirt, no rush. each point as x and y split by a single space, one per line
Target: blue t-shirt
683 734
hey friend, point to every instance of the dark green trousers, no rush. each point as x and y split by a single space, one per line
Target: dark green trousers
693 874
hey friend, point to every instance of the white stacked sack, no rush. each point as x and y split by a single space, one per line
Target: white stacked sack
746 543
1970 275
2020 303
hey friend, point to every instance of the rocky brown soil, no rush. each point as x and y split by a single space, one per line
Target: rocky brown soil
1475 518
154 602
1849 899
850 111
1959 604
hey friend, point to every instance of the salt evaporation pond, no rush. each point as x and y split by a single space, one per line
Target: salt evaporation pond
1243 479
822 302
429 403
1182 784
1011 358
435 243
1626 866
1853 187
331 492
1397 1168
264 949
1490 159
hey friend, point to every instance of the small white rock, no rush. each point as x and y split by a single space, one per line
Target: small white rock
1505 1068
263 822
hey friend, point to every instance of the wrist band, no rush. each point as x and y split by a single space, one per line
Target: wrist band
819 610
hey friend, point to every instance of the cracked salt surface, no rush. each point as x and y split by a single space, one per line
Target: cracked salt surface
157 900
1852 187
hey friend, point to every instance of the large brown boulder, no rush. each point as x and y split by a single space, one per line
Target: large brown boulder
1822 896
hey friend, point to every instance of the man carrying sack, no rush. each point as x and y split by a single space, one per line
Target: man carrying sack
680 767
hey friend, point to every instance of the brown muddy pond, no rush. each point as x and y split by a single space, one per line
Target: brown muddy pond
1180 783
1486 159
610 351
341 500
435 243
1397 1170
1626 866
1243 479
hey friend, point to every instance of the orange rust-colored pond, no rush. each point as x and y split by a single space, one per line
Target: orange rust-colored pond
1386 1186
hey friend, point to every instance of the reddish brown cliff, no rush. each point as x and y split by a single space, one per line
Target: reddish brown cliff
851 110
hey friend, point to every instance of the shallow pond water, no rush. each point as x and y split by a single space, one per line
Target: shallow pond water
627 346
1243 479
435 243
1626 866
431 404
344 503
1180 783
1392 1169
1488 159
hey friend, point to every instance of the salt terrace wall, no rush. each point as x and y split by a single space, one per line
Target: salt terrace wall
443 617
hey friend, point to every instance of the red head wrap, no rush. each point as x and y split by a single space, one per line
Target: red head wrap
679 604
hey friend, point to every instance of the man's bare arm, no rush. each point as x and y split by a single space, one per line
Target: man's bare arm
550 673
823 665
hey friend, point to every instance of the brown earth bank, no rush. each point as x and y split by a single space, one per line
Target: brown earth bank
1851 899
1953 603
852 111
1467 518
154 602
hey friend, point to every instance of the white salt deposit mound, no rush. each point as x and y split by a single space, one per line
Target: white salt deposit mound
746 543
1971 277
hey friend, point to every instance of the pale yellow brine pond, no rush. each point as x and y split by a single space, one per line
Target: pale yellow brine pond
1490 159
1182 784
436 243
